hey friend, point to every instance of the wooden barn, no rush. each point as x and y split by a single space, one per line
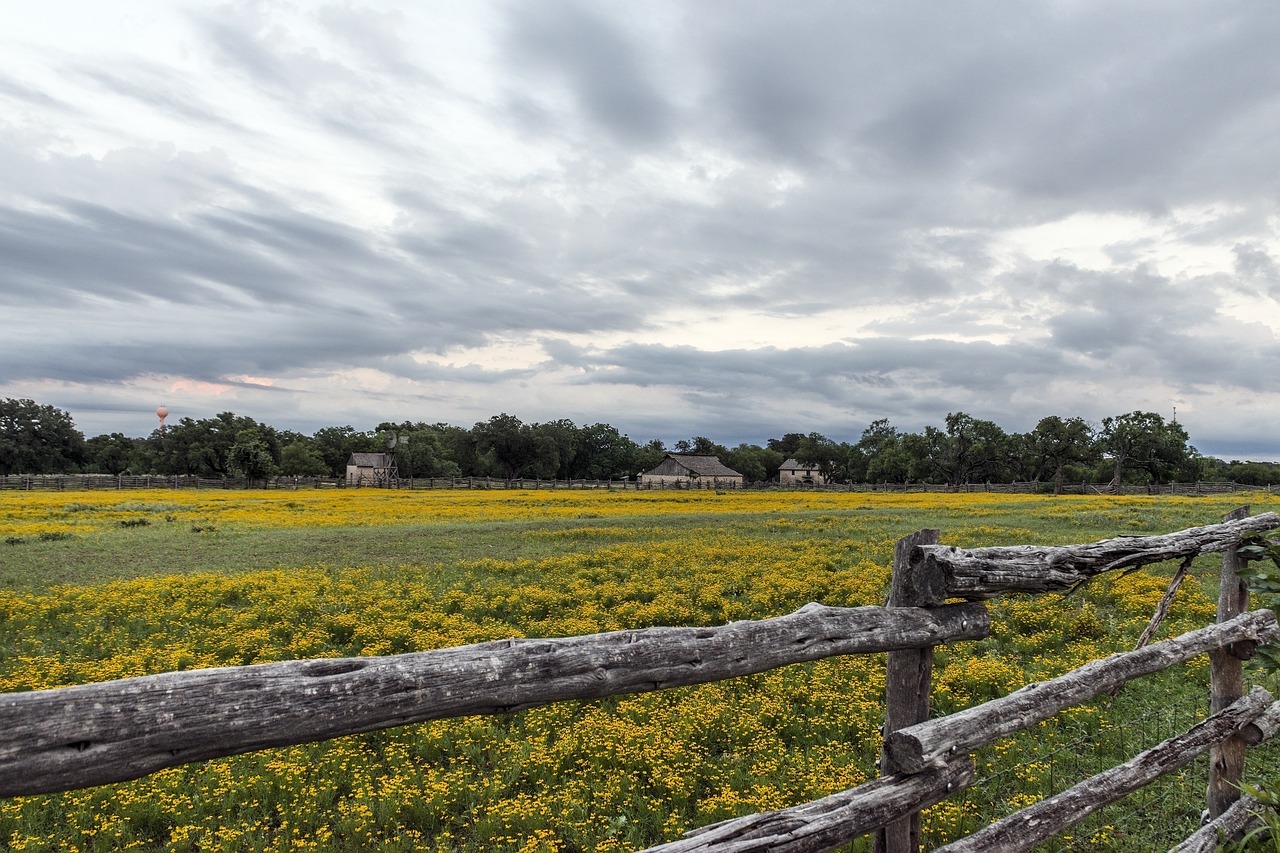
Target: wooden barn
371 469
697 472
792 473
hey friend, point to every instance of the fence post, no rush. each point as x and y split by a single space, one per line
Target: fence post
1226 759
908 676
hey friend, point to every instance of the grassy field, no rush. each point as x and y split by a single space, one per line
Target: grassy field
95 586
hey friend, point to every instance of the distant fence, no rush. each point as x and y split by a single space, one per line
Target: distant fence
92 734
73 482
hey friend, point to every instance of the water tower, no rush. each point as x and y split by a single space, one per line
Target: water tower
162 413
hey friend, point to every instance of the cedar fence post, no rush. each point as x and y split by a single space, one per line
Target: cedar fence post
1226 759
908 677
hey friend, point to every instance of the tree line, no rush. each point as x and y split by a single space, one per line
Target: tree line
1138 447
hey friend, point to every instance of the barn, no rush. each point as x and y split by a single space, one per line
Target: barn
371 469
691 471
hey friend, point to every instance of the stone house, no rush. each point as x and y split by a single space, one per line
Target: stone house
792 473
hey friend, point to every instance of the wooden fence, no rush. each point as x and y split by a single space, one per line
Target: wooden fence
74 737
71 482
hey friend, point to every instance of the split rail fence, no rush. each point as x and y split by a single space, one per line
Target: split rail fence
80 736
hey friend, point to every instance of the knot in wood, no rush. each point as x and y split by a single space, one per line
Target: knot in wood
1060 560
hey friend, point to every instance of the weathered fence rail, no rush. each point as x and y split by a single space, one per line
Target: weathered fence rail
946 572
1037 823
108 732
830 821
918 746
73 737
1232 822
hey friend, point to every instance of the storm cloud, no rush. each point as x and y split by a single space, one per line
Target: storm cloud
722 218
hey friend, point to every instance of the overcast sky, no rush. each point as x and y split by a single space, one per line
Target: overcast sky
733 219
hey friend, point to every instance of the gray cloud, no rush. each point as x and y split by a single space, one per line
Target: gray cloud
598 62
718 218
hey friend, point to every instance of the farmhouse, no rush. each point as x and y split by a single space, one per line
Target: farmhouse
371 469
792 473
699 472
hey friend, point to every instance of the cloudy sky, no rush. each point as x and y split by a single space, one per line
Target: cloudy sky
734 219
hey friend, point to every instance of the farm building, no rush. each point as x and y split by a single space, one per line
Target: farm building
682 469
792 473
371 469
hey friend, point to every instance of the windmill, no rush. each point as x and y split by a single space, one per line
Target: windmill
390 474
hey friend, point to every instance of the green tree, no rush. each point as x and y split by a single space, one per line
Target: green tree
513 443
603 453
700 445
1143 441
1058 442
648 457
832 459
756 464
300 459
1246 473
460 447
204 446
969 450
335 445
886 457
250 457
38 439
111 454
557 443
425 450
787 445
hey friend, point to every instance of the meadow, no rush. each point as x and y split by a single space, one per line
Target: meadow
104 585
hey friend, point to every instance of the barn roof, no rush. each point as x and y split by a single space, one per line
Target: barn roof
370 460
703 466
792 465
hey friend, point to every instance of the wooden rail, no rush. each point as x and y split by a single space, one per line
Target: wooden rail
1230 824
944 572
73 737
918 746
1040 822
830 821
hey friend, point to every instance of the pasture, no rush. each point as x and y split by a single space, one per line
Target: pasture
105 585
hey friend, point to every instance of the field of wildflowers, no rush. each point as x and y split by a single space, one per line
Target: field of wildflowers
97 586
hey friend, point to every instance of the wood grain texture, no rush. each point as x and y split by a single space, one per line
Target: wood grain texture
1226 685
1264 728
1029 827
1235 820
978 573
830 822
908 679
915 747
75 737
